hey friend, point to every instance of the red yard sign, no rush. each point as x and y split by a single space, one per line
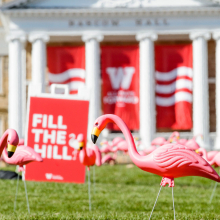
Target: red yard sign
53 125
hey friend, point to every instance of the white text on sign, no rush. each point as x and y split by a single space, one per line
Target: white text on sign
41 128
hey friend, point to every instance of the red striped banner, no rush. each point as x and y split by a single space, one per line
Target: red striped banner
174 86
66 65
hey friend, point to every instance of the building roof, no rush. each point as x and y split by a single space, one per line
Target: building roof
68 4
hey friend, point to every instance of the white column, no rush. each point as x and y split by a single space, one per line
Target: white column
216 36
147 87
16 43
39 58
23 89
200 85
93 77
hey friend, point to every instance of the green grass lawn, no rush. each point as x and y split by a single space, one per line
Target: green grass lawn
120 192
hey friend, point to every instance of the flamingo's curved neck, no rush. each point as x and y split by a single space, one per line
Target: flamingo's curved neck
134 155
205 155
174 135
3 141
204 152
4 153
213 161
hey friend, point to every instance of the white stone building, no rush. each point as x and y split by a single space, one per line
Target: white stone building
31 25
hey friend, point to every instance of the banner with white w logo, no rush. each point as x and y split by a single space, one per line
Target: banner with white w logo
174 86
120 83
66 65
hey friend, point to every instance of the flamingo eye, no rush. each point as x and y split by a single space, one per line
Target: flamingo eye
96 124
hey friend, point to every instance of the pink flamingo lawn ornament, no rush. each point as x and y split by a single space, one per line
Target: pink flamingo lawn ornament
89 156
159 141
169 161
121 146
22 156
213 158
108 159
150 150
175 138
108 147
192 144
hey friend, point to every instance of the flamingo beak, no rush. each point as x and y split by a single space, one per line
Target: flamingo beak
95 134
11 149
81 145
197 151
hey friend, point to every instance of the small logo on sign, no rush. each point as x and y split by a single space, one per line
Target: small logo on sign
49 176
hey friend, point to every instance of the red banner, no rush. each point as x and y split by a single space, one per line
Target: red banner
53 125
174 86
66 65
120 88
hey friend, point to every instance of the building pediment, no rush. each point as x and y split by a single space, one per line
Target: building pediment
57 4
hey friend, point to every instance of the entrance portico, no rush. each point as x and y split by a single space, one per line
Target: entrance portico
40 23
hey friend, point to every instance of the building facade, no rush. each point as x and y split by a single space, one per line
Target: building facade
32 26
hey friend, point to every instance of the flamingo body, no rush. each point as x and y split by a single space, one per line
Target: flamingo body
107 159
158 141
192 145
182 141
175 160
121 146
117 140
22 156
87 157
211 154
150 150
108 147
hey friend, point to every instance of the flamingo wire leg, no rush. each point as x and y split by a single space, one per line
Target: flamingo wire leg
155 202
173 204
25 187
90 205
94 177
16 193
213 192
